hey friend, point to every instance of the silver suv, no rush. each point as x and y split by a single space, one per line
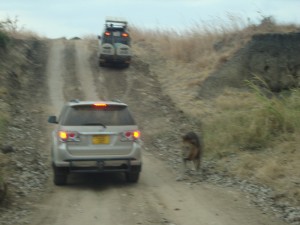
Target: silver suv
95 137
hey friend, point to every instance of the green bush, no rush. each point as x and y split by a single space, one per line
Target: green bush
254 126
280 111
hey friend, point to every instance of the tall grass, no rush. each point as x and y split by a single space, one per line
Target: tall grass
239 120
10 28
206 45
252 121
256 136
282 111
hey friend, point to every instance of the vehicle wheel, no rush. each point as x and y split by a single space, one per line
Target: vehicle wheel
101 64
132 177
60 179
60 176
126 65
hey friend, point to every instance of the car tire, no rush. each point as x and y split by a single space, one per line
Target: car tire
60 176
60 180
126 65
101 64
132 177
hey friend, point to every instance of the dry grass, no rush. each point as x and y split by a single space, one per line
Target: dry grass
205 46
262 134
11 27
4 114
252 136
191 56
277 167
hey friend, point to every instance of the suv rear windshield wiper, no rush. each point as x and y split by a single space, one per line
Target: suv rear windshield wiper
94 124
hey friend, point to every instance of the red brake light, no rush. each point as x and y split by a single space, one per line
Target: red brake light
125 35
128 134
107 33
100 105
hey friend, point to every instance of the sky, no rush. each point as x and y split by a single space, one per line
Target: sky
77 18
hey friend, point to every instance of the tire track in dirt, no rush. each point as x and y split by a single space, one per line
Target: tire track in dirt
111 82
72 86
66 74
84 74
55 75
114 81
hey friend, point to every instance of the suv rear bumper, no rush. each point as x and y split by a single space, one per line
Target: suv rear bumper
97 163
114 58
103 166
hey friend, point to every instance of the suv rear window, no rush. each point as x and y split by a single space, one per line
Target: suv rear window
111 115
115 36
116 39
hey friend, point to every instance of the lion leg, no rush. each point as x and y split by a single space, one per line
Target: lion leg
197 163
183 170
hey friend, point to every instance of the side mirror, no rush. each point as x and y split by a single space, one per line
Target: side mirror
99 37
52 119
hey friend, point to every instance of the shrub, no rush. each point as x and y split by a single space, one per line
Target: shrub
252 121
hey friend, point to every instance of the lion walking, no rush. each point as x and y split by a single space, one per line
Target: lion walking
192 150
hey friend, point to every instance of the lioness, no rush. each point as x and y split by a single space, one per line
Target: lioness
192 150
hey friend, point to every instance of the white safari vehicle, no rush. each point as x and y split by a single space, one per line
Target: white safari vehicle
114 44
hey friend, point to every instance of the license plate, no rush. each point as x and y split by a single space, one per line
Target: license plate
100 139
117 33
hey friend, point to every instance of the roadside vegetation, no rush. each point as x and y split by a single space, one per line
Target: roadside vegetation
252 134
14 54
4 116
8 30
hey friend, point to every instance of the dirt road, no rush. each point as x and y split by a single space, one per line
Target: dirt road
158 198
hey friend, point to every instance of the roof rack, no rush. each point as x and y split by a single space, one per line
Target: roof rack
117 22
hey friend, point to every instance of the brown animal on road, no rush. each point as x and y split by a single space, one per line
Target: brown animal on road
192 149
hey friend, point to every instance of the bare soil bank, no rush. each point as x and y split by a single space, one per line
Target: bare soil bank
275 58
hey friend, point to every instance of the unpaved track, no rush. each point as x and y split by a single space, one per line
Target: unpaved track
109 200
